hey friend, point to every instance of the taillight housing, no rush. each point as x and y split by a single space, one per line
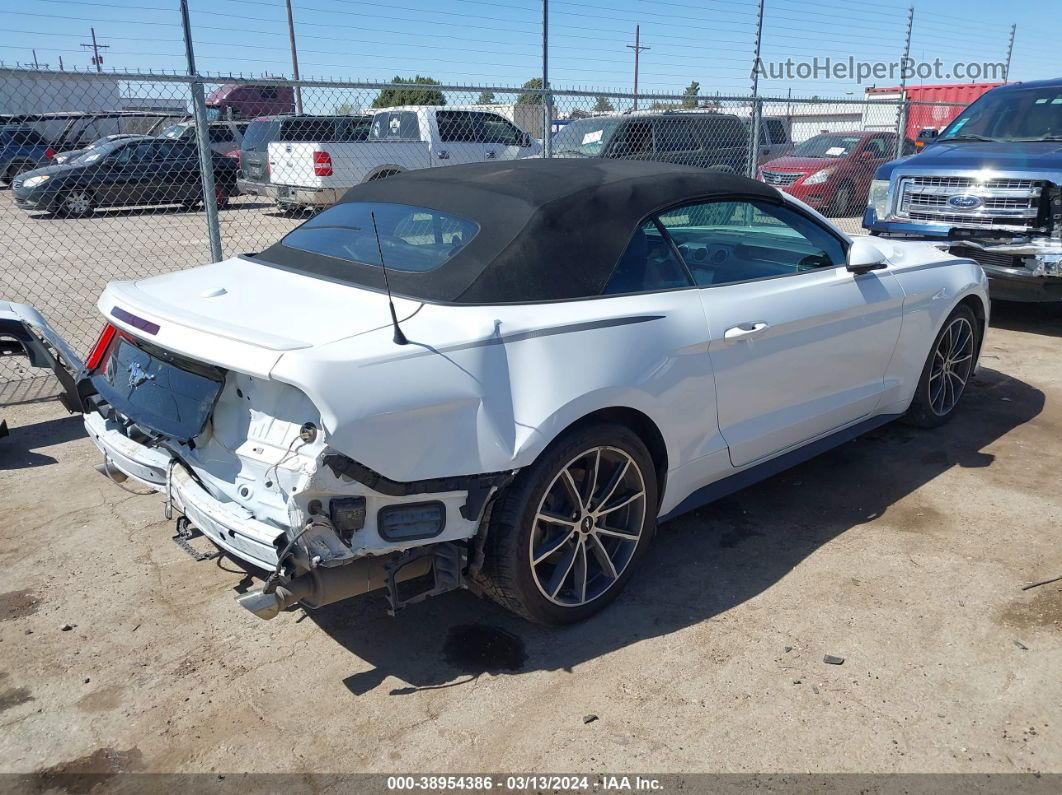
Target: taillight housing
99 349
322 164
49 153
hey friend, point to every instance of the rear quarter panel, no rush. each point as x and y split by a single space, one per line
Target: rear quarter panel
486 389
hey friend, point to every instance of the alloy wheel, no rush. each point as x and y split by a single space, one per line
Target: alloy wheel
952 364
587 526
77 202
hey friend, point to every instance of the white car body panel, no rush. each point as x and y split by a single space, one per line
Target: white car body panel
483 389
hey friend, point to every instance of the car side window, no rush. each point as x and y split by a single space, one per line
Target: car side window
777 131
723 242
457 126
632 139
876 147
648 264
220 135
497 130
676 135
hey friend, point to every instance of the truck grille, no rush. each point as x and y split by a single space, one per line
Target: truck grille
1005 203
779 178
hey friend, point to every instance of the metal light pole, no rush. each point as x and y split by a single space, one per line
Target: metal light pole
637 47
901 120
547 97
757 108
294 58
206 155
1010 52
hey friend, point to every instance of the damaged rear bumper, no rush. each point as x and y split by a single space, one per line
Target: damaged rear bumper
312 564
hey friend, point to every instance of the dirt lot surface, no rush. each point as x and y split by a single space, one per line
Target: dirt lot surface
903 552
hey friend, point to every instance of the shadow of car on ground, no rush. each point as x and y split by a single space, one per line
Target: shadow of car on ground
699 566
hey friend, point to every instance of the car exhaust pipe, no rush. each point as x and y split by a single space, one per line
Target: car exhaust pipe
323 586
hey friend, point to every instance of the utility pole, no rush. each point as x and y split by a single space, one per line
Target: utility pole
1010 52
96 59
547 97
901 120
637 47
206 154
294 58
757 107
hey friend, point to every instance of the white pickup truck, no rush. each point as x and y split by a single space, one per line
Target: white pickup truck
400 139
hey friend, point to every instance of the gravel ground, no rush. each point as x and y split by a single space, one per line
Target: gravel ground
903 552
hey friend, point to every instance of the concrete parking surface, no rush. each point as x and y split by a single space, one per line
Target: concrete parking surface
903 552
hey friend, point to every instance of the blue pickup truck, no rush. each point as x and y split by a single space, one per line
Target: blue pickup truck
21 149
988 187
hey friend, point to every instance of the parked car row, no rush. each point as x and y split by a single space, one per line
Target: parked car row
708 139
126 172
311 161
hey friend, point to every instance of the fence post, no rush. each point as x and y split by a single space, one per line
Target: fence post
757 105
901 112
202 135
1010 52
547 97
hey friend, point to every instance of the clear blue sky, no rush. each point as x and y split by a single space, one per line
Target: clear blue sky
499 41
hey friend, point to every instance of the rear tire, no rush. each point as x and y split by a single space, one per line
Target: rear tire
947 370
565 568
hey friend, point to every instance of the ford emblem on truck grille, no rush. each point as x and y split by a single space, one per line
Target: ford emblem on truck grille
965 201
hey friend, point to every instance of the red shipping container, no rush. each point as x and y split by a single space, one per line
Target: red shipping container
919 117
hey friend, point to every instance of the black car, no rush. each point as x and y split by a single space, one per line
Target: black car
716 141
121 174
254 151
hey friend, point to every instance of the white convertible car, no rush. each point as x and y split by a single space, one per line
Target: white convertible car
575 350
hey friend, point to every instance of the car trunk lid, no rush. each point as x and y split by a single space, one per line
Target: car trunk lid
244 315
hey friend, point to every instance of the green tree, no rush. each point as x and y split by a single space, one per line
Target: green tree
485 98
390 97
347 109
602 105
531 99
689 96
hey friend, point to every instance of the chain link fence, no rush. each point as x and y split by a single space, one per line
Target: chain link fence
109 176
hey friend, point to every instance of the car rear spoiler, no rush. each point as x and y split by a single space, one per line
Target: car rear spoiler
24 331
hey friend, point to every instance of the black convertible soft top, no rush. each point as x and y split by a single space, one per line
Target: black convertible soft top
549 229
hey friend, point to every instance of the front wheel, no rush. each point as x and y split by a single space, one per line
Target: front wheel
76 203
566 535
842 200
946 371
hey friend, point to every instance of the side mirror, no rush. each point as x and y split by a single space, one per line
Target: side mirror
925 136
526 140
865 256
866 155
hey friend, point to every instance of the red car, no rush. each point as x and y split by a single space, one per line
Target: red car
832 171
